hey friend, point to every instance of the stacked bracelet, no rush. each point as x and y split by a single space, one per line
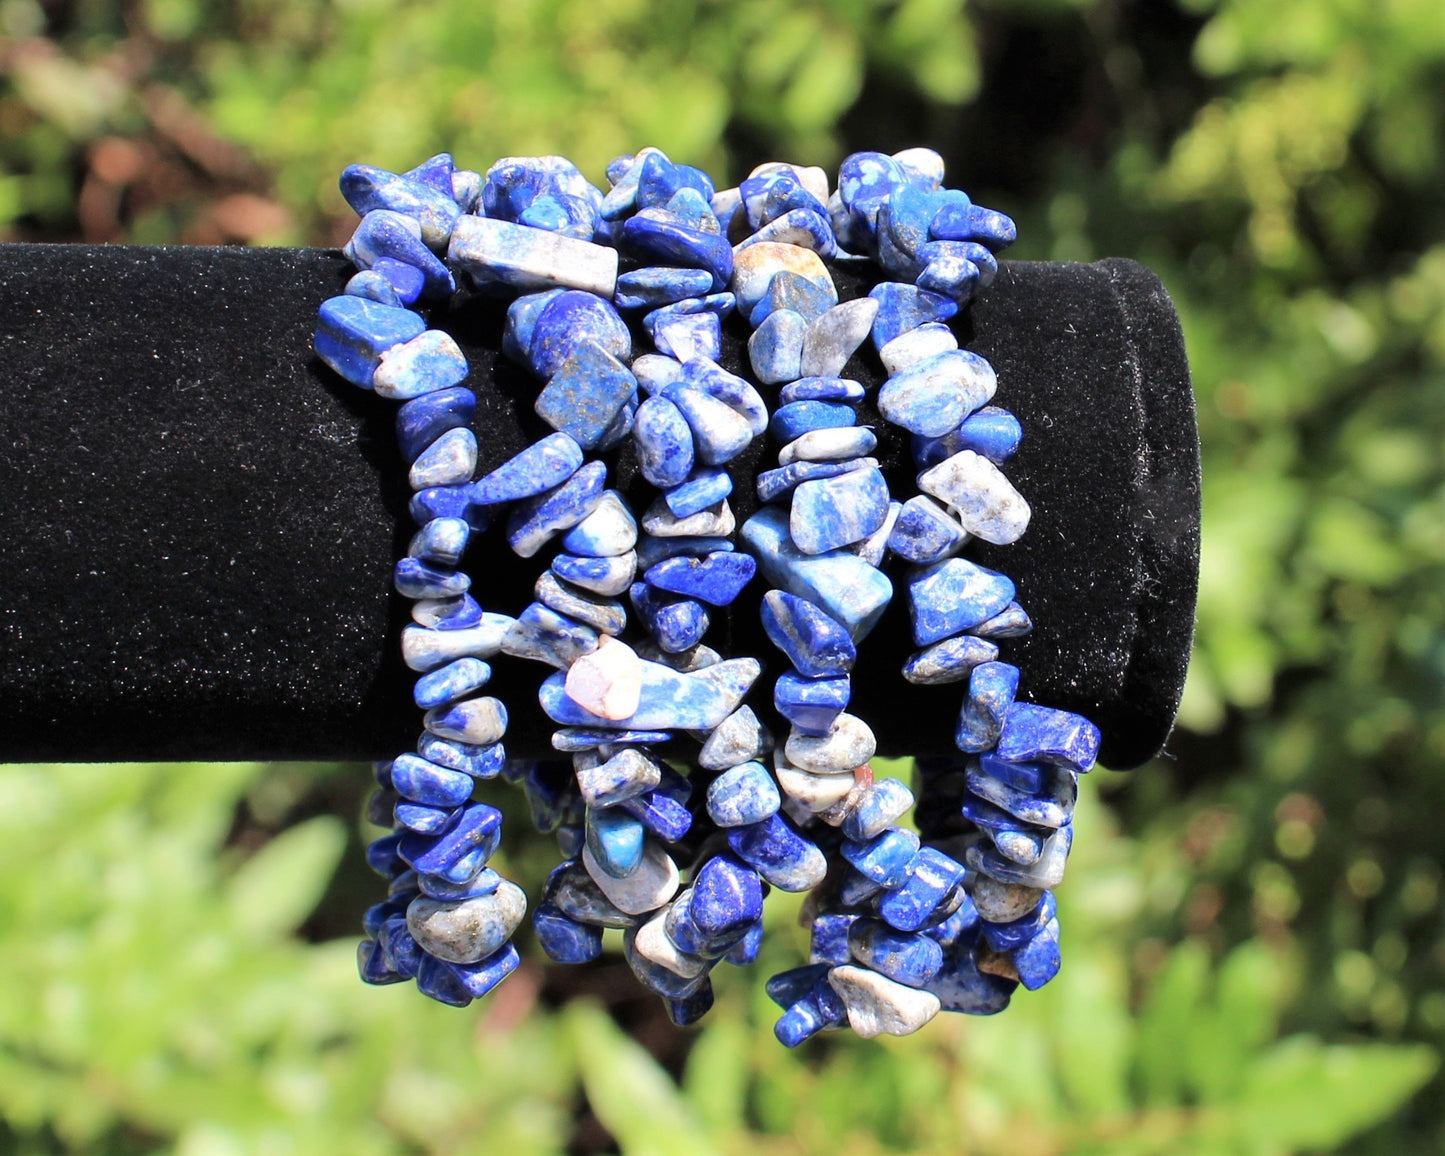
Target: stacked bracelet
900 928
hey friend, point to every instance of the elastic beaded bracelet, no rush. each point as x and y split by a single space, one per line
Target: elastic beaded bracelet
895 936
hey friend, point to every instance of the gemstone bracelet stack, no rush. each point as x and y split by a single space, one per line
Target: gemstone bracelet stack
617 305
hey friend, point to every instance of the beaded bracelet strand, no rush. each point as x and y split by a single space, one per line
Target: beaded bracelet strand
895 935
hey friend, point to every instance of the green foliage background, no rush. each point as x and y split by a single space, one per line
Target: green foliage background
1255 958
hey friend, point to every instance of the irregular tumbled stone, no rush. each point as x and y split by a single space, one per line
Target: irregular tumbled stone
985 501
838 511
651 885
739 738
849 743
876 1005
608 681
467 930
832 338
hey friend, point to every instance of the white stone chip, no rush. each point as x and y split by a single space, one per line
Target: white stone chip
908 349
714 522
608 681
984 501
879 1006
849 743
652 943
531 259
651 885
833 336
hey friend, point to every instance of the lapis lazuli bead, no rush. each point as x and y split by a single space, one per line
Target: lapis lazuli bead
842 389
961 987
568 321
534 522
461 852
481 762
586 393
811 704
838 511
905 958
902 307
352 333
665 451
887 801
1038 960
1011 935
651 551
563 939
676 623
973 223
887 859
373 286
414 578
1040 734
615 839
925 532
776 347
684 333
421 781
991 689
384 235
949 597
660 285
773 484
423 818
406 280
816 644
483 883
1052 805
842 585
779 854
706 487
545 635
460 613
442 542
719 432
451 682
367 188
660 813
797 418
477 979
829 940
655 239
716 579
948 661
607 576
934 875
1010 622
788 987
727 895
543 465
422 420
670 700
743 795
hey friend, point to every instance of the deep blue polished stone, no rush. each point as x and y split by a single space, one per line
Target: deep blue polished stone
661 814
838 511
423 819
1029 778
797 418
568 320
447 502
406 281
716 579
483 883
1040 734
477 979
615 839
367 188
372 966
776 347
905 958
934 875
481 762
422 781
949 597
522 316
794 293
902 307
961 987
774 484
690 1008
442 542
451 682
654 239
461 852
973 223
992 432
1037 961
543 465
422 420
665 452
811 704
570 739
383 235
586 393
829 942
670 700
887 801
745 951
816 644
841 584
414 578
788 987
660 285
677 624
565 940
352 333
925 532
887 859
1009 936
743 795
719 432
706 487
727 896
779 854
535 521
991 688
372 285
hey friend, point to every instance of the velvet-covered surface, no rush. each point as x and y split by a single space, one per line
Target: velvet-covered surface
200 520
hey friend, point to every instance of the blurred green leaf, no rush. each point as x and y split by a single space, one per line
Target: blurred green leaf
280 885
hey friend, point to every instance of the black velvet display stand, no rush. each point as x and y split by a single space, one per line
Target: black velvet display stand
199 520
